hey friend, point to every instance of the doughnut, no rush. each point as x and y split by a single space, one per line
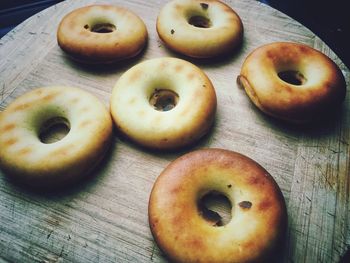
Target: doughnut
100 34
199 28
258 221
163 103
26 157
292 81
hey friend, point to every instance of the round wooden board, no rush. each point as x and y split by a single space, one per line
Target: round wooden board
105 218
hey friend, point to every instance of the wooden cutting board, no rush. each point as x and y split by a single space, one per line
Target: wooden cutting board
104 219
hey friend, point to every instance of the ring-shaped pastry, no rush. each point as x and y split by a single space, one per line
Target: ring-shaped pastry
258 221
25 156
292 81
164 103
198 28
100 34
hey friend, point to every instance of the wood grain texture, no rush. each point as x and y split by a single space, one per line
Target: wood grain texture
104 219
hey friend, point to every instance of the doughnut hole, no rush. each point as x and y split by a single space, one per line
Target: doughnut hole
54 130
200 21
198 17
101 27
163 99
215 208
293 77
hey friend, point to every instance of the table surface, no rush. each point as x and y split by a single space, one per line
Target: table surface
104 219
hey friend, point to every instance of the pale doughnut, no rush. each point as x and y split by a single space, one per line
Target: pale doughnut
258 220
315 85
101 34
151 85
24 156
199 28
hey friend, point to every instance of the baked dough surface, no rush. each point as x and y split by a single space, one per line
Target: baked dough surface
258 209
320 90
24 156
99 34
136 117
200 29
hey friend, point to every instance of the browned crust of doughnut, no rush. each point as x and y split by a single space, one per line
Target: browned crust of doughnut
207 52
289 102
170 201
94 48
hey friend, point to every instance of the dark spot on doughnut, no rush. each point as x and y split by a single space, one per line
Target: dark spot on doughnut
229 185
86 26
264 205
245 204
172 31
8 127
10 141
25 151
204 6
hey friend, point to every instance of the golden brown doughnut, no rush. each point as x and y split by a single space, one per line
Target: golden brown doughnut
258 209
101 34
291 81
25 156
199 28
163 103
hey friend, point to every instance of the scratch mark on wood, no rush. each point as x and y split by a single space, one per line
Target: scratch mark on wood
61 253
48 236
2 91
344 141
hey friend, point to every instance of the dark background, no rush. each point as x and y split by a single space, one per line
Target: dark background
329 19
